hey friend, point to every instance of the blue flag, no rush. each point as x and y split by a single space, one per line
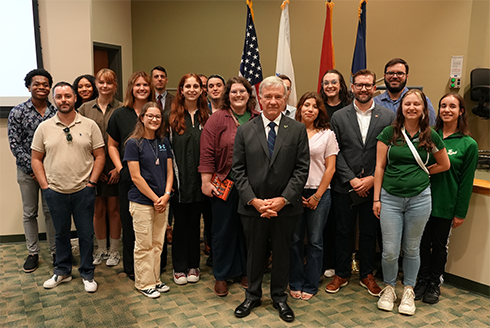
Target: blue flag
359 58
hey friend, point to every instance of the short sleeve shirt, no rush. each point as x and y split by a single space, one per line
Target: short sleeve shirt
68 164
146 152
403 176
322 145
121 125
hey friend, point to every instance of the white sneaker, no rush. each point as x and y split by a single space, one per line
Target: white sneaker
113 259
151 293
387 298
90 285
193 275
407 305
180 278
162 288
329 273
55 280
99 256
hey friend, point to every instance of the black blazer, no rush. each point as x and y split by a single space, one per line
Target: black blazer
356 159
257 175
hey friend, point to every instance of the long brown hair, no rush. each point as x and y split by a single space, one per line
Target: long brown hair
129 97
462 119
322 120
177 112
139 129
424 137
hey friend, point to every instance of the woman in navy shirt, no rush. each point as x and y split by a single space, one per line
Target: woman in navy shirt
149 159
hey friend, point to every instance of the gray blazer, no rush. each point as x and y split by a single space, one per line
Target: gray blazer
258 175
356 159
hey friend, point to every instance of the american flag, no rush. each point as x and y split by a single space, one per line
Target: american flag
250 67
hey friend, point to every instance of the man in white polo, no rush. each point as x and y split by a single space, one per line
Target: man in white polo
67 159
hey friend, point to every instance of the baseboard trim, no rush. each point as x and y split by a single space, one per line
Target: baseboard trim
467 284
22 238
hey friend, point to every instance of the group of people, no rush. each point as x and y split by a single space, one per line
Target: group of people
285 184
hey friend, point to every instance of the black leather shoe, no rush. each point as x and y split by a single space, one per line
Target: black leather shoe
285 312
420 288
246 307
432 293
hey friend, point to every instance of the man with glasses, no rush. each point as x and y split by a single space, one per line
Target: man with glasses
356 128
396 75
67 159
22 122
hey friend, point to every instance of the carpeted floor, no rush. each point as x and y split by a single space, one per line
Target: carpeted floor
25 303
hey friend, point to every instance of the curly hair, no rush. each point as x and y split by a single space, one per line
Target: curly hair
424 137
177 111
322 120
35 72
225 101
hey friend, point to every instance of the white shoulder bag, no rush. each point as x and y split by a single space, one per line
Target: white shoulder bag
415 153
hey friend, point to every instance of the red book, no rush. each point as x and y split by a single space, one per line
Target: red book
223 187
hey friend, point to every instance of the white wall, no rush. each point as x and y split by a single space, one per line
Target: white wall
68 29
469 245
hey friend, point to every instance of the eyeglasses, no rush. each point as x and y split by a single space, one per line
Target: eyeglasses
238 92
68 135
152 117
359 86
333 82
399 74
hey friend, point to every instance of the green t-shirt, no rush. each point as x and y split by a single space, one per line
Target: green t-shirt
242 119
403 176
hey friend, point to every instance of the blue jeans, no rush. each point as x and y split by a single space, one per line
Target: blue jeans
403 220
81 205
306 277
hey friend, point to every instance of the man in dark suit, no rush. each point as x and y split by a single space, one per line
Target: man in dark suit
159 80
270 163
356 128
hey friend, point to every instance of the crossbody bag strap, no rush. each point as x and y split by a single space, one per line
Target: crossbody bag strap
414 152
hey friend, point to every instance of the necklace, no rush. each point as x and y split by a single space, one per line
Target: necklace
155 153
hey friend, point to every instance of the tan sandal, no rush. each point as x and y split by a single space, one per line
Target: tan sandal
306 296
296 294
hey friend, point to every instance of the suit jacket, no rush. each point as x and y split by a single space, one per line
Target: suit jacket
356 159
258 175
168 101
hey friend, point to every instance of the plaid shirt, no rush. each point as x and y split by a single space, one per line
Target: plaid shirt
22 123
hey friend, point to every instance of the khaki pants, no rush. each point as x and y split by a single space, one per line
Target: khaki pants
149 230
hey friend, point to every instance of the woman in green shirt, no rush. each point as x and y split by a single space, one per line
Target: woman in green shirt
402 199
451 192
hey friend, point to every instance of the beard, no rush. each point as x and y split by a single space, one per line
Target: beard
363 100
397 89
